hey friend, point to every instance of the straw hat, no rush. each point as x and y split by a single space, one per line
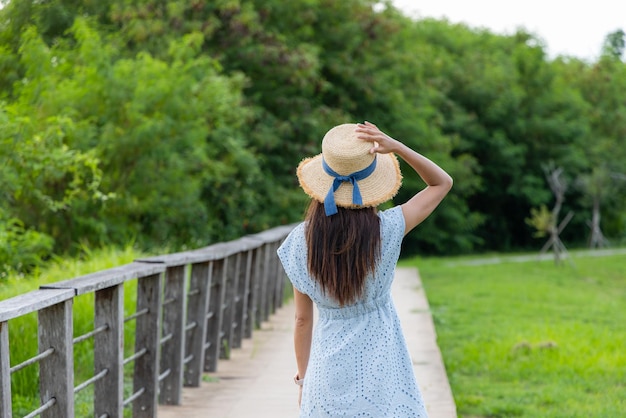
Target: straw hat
378 176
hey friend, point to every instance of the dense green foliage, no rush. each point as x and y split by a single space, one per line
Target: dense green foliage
531 339
180 123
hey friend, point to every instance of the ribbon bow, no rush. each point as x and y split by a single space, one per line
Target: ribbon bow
330 207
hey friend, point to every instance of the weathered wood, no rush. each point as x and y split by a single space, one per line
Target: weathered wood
232 275
109 352
274 286
243 291
197 308
215 314
282 278
280 283
212 252
5 372
107 278
173 325
147 336
32 302
265 293
232 288
269 289
253 290
56 372
274 234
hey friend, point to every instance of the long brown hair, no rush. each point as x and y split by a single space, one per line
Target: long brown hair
342 249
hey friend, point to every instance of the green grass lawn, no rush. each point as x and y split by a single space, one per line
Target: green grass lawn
531 339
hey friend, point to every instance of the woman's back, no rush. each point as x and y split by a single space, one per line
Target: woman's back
355 362
376 286
359 364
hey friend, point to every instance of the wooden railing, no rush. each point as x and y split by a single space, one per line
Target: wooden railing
192 308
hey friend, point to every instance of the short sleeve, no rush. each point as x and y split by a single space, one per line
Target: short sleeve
293 256
392 229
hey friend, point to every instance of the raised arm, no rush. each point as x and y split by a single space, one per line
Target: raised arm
438 182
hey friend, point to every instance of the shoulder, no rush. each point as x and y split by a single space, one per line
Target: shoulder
293 248
392 220
293 257
392 231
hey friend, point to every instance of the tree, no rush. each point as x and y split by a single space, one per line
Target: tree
597 187
603 86
183 120
510 112
558 186
42 174
614 44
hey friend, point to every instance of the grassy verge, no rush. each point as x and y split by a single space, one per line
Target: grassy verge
23 330
531 339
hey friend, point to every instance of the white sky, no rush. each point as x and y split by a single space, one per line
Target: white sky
574 27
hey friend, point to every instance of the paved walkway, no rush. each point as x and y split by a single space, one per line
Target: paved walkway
257 380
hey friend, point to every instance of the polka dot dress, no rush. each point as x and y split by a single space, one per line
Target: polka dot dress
359 364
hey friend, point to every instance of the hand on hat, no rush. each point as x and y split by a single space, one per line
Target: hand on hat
383 143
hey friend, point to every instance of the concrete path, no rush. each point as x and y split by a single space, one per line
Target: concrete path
257 380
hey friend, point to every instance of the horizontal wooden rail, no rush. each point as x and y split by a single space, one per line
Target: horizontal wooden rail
192 308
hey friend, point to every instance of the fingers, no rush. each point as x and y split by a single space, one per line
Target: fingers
382 143
369 132
366 127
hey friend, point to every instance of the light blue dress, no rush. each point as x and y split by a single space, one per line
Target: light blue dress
359 364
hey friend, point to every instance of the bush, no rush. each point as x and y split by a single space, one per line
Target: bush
21 249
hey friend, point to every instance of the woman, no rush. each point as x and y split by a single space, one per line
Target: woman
342 258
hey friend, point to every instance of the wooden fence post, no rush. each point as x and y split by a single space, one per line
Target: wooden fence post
263 276
243 290
5 372
279 279
172 348
56 372
198 306
255 291
232 274
109 352
215 314
147 337
273 280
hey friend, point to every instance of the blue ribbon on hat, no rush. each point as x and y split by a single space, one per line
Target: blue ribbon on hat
330 207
